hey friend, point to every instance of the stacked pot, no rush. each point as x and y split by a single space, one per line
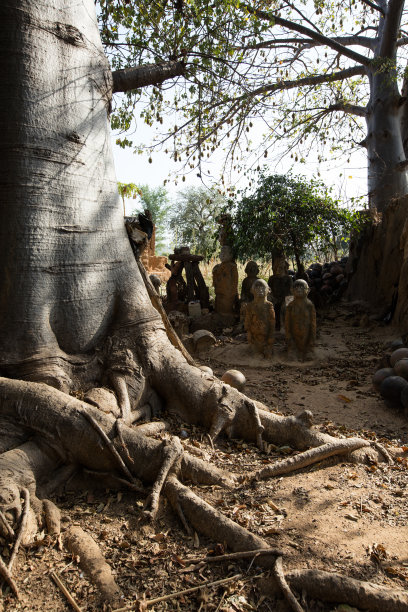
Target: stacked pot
392 382
327 281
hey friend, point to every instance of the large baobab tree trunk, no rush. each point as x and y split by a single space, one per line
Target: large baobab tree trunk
68 277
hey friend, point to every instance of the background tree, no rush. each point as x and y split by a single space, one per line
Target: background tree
288 214
127 190
194 219
156 200
326 77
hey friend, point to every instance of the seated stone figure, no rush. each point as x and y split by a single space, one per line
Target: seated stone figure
300 322
225 282
281 286
260 319
251 271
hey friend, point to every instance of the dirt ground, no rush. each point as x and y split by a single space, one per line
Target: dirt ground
338 517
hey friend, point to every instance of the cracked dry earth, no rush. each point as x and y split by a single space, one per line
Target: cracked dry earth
339 517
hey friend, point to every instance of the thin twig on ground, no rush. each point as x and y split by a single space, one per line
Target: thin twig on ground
65 591
150 602
383 451
244 554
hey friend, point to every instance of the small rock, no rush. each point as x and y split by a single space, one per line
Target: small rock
400 353
234 378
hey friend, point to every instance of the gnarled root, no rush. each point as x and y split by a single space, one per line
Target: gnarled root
210 522
284 587
313 455
172 451
342 589
91 560
52 516
217 407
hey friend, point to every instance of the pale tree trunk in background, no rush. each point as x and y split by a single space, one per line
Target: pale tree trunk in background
378 269
387 173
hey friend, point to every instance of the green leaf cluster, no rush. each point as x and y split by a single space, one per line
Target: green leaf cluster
193 219
288 214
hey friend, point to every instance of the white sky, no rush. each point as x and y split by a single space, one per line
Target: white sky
347 179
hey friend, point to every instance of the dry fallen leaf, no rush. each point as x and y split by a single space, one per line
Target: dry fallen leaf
344 398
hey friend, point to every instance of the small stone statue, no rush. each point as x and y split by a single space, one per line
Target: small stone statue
260 319
156 282
251 270
281 286
225 281
300 321
301 273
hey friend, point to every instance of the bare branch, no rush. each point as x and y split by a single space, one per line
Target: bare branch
142 76
324 40
374 6
350 109
362 41
311 80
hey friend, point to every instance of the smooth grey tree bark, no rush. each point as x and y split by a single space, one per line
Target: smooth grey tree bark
387 168
68 277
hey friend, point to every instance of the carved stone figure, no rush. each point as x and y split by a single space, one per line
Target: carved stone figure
300 321
225 229
260 319
281 284
156 282
251 270
301 273
225 281
176 288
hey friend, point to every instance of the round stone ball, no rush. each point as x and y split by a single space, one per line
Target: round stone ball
234 378
326 289
397 344
392 387
400 353
206 369
404 398
401 368
381 375
336 270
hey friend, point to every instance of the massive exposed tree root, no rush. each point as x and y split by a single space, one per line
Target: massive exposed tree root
54 431
338 588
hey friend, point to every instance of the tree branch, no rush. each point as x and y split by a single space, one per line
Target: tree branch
362 41
297 27
142 76
312 80
350 109
374 6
